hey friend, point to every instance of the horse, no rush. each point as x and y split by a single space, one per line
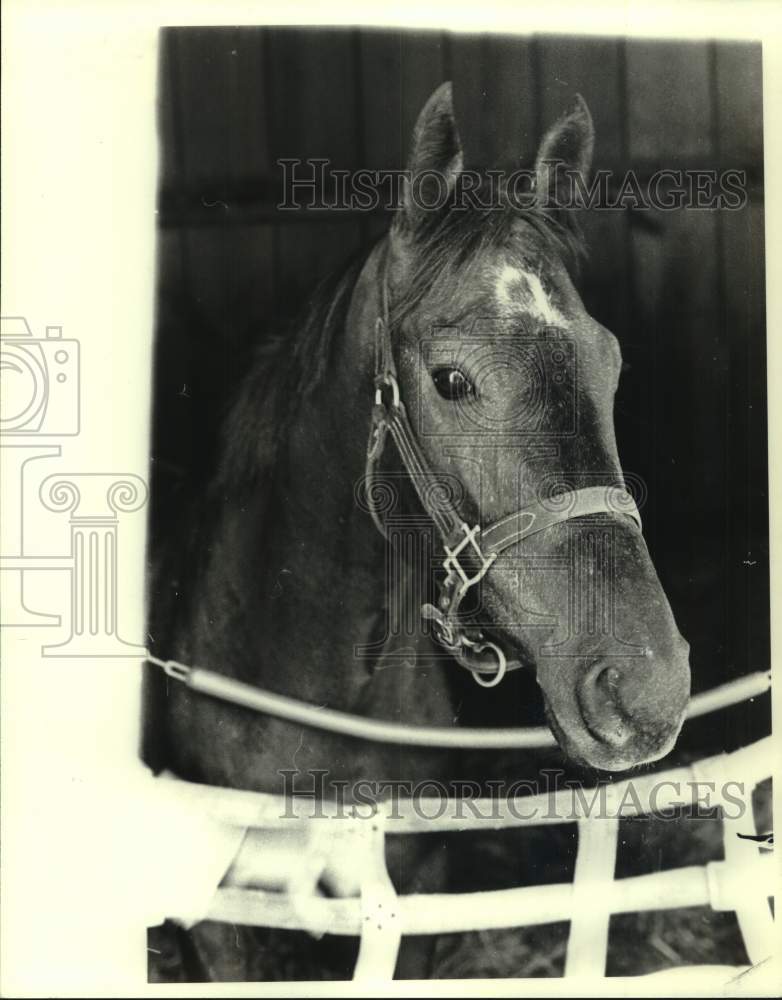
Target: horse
460 344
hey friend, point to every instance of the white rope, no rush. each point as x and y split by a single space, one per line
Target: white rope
455 913
401 733
747 885
380 917
739 883
381 922
590 907
648 793
744 689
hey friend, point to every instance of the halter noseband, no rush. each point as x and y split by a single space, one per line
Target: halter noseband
469 552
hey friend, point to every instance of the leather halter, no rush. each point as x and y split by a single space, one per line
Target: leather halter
469 551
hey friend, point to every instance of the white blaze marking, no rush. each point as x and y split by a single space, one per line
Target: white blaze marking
522 288
508 276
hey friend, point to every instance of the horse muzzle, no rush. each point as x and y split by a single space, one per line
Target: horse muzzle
625 711
610 662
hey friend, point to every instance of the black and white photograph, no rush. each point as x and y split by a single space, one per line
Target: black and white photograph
388 468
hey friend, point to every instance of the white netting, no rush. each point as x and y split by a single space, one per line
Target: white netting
739 883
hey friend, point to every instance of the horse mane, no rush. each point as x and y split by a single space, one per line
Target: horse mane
286 367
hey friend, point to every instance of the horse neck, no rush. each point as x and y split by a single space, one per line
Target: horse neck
342 560
296 576
295 580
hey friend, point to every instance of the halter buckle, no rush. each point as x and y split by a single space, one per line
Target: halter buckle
443 628
387 380
451 563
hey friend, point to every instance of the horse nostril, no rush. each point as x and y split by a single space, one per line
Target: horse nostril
598 697
610 677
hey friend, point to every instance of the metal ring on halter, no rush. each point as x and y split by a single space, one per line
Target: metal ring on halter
501 669
387 380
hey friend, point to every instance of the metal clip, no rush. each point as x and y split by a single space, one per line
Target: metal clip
443 629
170 667
176 670
377 433
383 381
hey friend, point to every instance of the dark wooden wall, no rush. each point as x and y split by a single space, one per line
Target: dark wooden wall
683 290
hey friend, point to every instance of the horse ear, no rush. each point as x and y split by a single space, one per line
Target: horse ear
434 163
565 148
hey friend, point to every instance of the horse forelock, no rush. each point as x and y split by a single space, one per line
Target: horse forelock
454 243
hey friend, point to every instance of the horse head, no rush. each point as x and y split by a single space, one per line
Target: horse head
508 386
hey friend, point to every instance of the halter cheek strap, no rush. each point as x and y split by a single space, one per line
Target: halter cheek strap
469 551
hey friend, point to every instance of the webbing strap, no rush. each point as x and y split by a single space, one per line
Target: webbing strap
575 503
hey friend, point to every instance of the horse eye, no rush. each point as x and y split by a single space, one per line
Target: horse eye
452 384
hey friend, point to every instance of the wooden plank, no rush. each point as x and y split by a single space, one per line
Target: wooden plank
398 73
170 157
678 311
306 253
231 280
173 359
592 68
681 401
747 580
587 948
739 95
677 392
606 275
494 96
423 69
314 109
220 85
213 305
744 278
669 100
